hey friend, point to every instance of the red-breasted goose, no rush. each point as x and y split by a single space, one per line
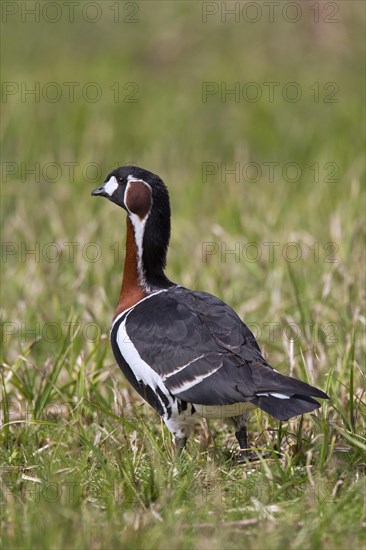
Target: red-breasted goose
186 352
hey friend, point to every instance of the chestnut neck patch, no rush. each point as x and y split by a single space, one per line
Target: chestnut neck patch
132 291
138 198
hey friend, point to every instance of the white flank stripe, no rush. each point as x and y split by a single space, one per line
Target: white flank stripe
142 371
187 385
183 367
110 186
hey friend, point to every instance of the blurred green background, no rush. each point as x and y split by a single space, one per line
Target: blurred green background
151 64
169 54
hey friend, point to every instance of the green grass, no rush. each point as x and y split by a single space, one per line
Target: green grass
84 463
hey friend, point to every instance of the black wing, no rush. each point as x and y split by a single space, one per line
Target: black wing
206 355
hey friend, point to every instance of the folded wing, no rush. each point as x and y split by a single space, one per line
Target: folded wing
203 353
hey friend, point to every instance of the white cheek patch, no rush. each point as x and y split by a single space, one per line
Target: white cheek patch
110 186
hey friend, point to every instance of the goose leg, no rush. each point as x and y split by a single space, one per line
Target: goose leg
180 443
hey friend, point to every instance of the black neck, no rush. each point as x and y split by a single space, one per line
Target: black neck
155 248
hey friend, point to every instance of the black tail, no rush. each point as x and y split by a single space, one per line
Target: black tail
283 409
282 396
